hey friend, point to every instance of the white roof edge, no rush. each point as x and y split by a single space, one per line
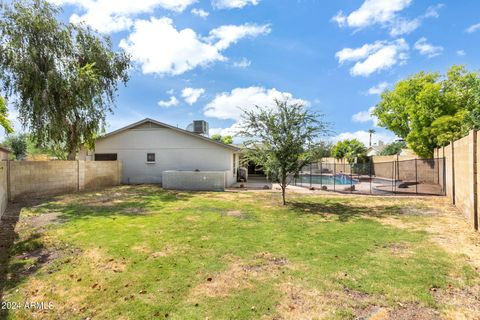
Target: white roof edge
228 146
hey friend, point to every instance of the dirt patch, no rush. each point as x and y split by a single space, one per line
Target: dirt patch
419 211
134 210
42 220
235 213
301 303
99 260
459 303
240 275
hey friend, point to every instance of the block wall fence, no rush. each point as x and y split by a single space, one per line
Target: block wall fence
462 175
24 179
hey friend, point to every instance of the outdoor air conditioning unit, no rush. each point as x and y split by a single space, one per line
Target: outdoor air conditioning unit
199 127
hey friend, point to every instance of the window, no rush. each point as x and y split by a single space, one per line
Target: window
105 156
150 157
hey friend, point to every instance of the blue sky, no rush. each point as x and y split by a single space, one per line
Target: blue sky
203 59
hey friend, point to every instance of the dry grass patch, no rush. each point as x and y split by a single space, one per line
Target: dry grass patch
240 275
97 259
300 303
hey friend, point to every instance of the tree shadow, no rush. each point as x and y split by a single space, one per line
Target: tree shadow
344 211
22 259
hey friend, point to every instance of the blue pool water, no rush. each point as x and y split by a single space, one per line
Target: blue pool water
326 179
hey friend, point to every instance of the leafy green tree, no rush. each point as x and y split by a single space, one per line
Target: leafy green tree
224 139
393 148
349 149
227 139
18 144
428 109
4 122
282 139
63 77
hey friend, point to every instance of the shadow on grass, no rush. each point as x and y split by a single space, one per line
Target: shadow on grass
8 235
344 210
132 201
21 259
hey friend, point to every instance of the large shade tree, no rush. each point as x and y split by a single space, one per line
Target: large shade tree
282 139
62 77
4 121
429 110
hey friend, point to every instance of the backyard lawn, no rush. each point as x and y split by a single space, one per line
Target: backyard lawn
138 252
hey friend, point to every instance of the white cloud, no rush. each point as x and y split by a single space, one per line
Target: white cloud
229 34
112 16
233 4
473 28
372 12
404 26
378 89
229 105
173 101
370 58
242 64
385 13
191 95
364 137
427 49
365 116
200 12
461 53
233 130
162 49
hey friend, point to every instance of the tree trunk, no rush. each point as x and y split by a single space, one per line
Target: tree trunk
284 186
72 152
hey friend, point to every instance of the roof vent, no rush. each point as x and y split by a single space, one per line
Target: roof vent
199 127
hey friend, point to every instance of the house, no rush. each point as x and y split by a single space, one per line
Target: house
4 153
376 149
155 152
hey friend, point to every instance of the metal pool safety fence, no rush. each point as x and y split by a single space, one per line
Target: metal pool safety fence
417 176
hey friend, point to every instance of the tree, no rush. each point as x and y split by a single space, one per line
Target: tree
18 144
282 139
63 77
4 122
428 109
224 139
393 148
349 149
370 132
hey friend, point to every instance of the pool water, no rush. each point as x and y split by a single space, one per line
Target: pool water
326 179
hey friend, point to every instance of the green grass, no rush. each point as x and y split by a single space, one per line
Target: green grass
141 253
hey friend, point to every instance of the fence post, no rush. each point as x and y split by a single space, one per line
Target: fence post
310 175
370 174
334 174
9 182
416 177
453 171
475 189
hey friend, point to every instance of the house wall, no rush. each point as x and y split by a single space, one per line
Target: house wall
3 186
173 151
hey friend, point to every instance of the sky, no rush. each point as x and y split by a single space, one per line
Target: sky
208 59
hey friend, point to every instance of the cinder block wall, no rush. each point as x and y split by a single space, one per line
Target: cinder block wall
462 174
3 186
42 178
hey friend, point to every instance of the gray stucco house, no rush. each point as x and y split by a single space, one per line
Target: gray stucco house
155 152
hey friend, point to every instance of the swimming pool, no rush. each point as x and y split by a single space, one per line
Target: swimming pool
326 179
